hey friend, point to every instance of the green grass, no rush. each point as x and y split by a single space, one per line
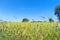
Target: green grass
29 31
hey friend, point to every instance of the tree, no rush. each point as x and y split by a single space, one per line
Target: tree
51 20
25 20
57 12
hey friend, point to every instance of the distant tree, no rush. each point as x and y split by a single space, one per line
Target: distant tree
57 12
39 21
34 21
45 21
51 20
25 20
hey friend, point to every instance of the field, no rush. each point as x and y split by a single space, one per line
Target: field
29 31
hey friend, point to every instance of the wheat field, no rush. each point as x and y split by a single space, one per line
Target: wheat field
29 31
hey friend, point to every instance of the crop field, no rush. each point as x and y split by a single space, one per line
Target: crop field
29 31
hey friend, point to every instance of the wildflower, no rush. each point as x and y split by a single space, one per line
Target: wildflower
58 32
13 37
11 31
1 31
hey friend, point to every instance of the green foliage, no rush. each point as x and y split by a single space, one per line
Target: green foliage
57 12
51 20
34 21
25 20
37 21
45 21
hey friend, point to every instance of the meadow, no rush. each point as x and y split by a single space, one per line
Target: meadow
29 31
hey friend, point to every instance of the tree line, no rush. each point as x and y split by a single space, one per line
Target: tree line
27 20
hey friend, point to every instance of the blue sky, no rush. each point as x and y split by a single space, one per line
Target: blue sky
16 10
